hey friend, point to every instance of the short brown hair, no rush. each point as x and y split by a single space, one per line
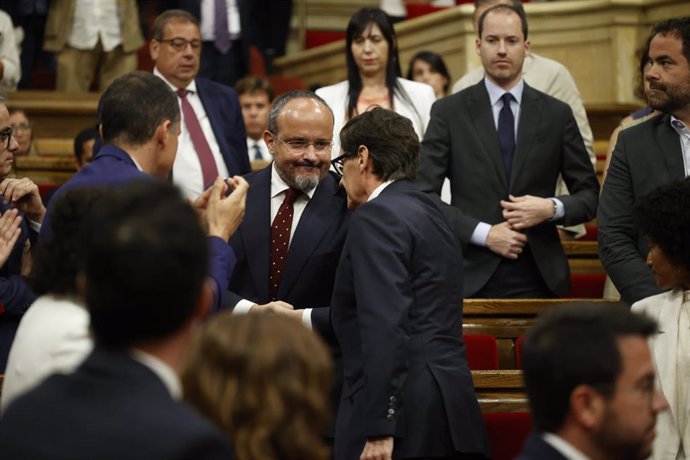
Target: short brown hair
254 85
264 380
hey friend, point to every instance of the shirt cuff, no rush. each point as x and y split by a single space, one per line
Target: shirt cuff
306 317
480 234
560 209
35 226
242 307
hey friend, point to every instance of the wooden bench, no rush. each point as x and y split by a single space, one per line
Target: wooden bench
500 391
508 319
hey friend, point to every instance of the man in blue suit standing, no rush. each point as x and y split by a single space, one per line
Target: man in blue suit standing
213 139
397 308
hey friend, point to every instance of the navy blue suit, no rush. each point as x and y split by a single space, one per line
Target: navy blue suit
312 257
397 314
223 109
537 449
113 166
111 407
15 295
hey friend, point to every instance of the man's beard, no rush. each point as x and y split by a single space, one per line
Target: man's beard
304 183
668 100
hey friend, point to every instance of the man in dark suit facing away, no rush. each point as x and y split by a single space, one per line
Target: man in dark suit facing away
590 380
146 288
503 145
213 140
397 308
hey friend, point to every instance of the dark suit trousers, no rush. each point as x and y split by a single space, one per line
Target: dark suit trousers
519 279
223 68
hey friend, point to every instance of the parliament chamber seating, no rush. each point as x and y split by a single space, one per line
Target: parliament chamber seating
482 351
507 433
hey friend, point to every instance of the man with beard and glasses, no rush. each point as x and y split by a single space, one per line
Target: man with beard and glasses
296 220
646 156
294 268
590 380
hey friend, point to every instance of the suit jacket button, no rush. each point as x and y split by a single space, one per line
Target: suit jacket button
389 417
392 399
391 411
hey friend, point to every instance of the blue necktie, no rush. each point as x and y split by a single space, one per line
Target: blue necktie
506 132
220 26
257 152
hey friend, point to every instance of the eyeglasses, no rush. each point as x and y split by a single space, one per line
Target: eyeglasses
6 137
339 163
180 44
21 127
301 145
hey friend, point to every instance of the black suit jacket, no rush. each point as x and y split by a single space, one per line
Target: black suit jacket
111 407
312 257
646 156
397 314
537 449
222 106
461 143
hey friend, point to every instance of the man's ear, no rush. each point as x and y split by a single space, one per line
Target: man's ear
270 142
527 44
477 46
205 301
363 157
154 47
587 407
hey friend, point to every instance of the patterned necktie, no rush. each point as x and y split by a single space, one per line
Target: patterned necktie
209 170
257 152
220 27
280 239
506 132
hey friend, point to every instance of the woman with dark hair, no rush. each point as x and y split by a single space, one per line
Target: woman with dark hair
429 67
53 335
373 76
663 217
264 380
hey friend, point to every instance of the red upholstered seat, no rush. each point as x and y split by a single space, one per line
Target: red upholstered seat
518 351
45 190
482 351
316 38
507 433
587 285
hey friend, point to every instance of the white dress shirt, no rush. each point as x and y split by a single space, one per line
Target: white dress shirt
684 134
265 154
564 447
481 231
164 372
187 168
9 55
208 20
278 189
94 20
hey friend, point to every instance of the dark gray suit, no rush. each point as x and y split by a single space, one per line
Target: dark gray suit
646 156
461 143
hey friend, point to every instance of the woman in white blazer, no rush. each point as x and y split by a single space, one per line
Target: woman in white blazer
373 77
664 217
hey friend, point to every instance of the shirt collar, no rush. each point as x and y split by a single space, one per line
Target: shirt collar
164 372
564 447
278 185
495 91
191 87
377 191
679 126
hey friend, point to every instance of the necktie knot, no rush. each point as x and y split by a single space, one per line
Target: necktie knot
507 98
182 92
291 195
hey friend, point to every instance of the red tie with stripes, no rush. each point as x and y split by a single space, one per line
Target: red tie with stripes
280 239
209 170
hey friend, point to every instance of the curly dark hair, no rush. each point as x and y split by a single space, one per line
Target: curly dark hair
264 380
663 216
58 260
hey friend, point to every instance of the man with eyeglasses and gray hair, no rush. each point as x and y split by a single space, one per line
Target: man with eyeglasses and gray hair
213 139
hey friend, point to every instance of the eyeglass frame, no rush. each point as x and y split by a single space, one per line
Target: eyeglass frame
290 144
9 133
194 43
338 163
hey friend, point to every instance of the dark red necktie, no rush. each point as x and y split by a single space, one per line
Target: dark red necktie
209 170
280 239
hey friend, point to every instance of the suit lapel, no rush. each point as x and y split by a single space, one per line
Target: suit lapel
483 121
256 235
669 141
530 119
311 229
